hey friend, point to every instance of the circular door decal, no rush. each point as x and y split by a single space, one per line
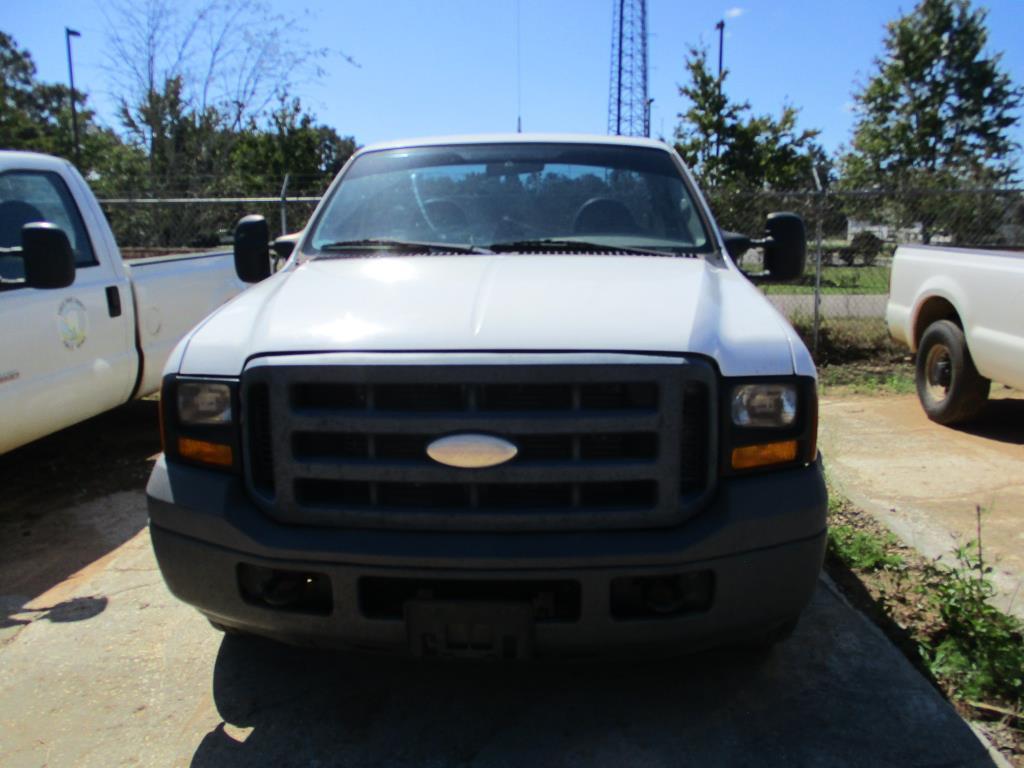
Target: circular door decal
72 322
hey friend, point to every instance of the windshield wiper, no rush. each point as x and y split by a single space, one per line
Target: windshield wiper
405 246
571 246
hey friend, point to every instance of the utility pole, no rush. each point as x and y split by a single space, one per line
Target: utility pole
720 26
68 34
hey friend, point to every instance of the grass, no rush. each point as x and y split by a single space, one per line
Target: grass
862 550
848 339
879 377
857 355
982 649
939 614
841 280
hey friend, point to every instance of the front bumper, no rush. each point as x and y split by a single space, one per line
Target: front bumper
762 537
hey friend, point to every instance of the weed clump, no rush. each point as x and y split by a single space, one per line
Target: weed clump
940 614
980 649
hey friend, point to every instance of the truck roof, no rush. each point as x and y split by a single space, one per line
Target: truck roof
10 158
519 138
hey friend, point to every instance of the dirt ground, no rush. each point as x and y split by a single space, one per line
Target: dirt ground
924 481
101 667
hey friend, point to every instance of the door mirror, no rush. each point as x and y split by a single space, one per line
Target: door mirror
252 249
736 244
785 246
49 260
284 245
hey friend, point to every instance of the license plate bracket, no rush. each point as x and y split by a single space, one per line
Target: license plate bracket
469 629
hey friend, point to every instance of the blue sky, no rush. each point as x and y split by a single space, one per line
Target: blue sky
449 66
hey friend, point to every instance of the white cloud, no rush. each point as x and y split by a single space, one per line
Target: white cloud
734 13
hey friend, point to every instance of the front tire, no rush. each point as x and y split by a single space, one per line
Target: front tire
949 387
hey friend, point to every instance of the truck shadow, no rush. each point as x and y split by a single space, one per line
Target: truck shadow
57 512
835 694
1001 420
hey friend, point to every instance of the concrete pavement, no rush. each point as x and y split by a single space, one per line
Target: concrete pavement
106 668
833 305
924 480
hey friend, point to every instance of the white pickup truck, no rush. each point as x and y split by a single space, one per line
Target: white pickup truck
83 330
962 312
509 395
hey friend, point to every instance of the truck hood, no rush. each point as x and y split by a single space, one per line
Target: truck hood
502 302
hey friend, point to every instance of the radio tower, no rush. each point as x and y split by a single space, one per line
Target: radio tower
629 110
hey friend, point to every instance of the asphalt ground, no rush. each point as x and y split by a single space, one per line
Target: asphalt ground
100 666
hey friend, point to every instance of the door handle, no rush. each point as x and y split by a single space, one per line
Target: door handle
113 301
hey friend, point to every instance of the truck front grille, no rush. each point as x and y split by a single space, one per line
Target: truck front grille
599 446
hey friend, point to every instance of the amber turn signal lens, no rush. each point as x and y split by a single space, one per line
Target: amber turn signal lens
750 456
208 453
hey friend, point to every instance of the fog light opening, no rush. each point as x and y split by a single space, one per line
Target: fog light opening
664 596
295 591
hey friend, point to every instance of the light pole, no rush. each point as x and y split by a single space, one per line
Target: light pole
720 26
68 34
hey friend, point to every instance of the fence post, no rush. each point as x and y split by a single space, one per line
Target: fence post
284 204
820 212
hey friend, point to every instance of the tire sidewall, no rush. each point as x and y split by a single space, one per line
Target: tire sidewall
949 335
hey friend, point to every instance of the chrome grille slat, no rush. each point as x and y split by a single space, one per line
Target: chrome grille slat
602 446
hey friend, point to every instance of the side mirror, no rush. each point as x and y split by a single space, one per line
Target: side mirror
284 245
736 244
785 246
49 260
252 249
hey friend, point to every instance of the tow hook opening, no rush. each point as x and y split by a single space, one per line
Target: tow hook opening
664 596
283 590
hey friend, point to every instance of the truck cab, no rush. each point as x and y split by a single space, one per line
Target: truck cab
510 395
83 331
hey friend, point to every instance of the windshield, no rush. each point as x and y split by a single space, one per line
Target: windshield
517 194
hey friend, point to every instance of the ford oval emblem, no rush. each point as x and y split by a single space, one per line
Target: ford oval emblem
471 451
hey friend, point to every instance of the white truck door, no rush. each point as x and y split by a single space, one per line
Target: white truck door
69 353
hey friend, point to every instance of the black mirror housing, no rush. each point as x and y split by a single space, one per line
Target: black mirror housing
285 244
49 259
785 246
252 249
736 244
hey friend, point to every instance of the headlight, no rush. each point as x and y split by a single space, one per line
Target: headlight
764 405
204 402
199 421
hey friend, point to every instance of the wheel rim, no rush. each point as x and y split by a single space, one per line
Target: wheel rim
938 369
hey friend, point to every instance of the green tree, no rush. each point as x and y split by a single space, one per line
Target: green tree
36 116
710 119
196 94
726 145
290 142
937 108
31 112
187 149
935 116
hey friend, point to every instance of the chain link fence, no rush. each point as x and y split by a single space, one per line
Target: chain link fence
838 306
